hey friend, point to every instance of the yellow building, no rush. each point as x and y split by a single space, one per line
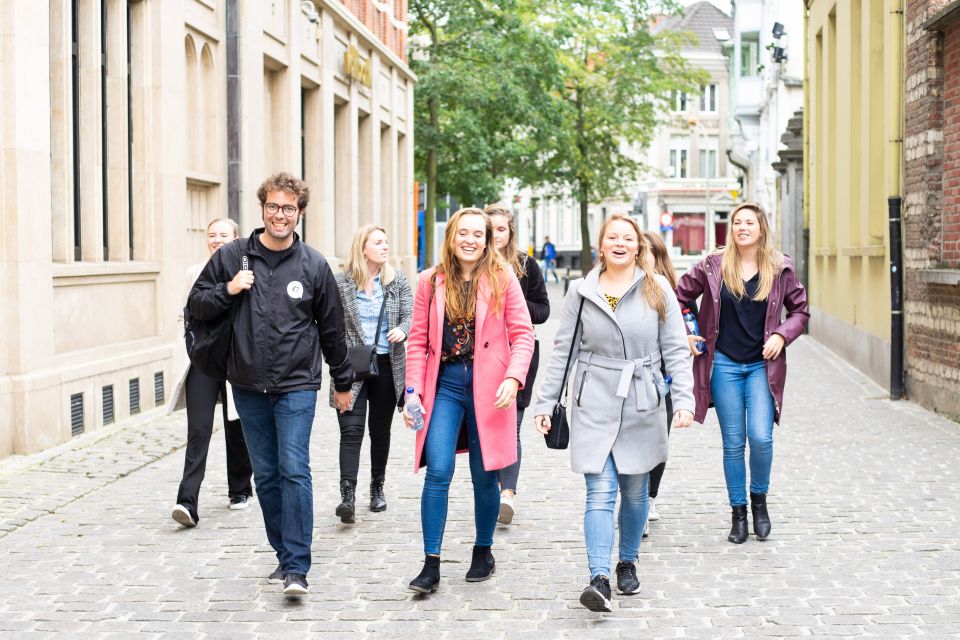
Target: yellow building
853 138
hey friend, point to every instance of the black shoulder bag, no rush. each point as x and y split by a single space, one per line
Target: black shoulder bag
559 435
209 341
363 359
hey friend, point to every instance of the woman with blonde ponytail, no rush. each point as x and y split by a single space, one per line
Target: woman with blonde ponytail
747 286
618 323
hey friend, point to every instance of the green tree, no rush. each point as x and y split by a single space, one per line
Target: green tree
483 91
614 82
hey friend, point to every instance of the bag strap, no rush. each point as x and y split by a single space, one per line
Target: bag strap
573 340
429 304
383 308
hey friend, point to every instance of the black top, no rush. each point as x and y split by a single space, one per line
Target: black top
271 257
535 291
457 340
741 323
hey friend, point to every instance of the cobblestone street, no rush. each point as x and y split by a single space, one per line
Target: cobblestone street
865 542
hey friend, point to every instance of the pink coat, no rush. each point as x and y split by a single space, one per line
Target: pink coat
503 348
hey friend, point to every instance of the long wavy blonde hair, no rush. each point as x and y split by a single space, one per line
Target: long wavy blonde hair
461 294
769 260
651 290
661 258
356 264
509 254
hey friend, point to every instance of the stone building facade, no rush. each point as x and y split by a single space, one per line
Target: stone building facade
125 127
931 220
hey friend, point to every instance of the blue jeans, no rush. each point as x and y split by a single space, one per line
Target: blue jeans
744 406
453 403
598 518
510 474
277 428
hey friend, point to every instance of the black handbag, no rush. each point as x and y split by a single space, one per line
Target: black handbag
363 359
559 435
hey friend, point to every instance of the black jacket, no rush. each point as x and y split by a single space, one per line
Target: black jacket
538 304
281 324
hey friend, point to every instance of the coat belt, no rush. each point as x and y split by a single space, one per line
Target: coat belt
636 370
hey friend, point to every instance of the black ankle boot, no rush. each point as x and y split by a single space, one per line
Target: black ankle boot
377 501
738 532
347 496
482 566
761 519
429 577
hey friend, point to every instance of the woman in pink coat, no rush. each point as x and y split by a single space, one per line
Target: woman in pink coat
469 315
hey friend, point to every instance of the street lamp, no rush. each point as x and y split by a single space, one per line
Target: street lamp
708 231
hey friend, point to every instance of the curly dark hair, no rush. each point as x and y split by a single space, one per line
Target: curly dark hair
288 183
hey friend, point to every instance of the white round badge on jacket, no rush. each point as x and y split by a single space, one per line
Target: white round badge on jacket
295 290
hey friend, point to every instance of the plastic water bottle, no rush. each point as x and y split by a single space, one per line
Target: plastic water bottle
412 404
693 327
663 385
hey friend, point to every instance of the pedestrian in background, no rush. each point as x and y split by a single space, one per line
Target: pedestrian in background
746 287
200 394
535 293
617 323
377 306
286 310
469 348
549 257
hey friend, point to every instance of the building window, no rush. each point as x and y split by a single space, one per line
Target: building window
708 98
750 54
678 158
679 101
708 163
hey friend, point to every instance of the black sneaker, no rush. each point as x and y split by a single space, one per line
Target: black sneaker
627 582
295 584
277 576
240 501
596 596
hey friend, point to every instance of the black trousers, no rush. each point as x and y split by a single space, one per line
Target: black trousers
202 393
381 397
656 474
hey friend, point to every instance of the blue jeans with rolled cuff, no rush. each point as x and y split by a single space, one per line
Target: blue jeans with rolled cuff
598 517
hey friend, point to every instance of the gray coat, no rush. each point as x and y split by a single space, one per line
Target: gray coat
615 404
399 313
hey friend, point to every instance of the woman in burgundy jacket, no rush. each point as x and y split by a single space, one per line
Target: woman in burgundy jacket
746 286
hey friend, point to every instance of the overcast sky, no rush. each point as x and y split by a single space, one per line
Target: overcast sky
723 4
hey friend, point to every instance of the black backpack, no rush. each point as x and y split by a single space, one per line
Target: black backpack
209 341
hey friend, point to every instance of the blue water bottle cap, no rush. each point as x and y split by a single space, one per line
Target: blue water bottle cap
409 389
668 379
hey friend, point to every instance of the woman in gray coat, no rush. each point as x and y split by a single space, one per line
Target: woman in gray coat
621 322
374 296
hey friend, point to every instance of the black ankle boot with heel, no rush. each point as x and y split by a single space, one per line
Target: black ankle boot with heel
346 508
429 577
761 519
482 565
377 500
739 532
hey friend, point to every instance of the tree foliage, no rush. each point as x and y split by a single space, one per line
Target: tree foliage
552 93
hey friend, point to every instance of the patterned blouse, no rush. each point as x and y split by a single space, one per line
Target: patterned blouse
612 301
457 340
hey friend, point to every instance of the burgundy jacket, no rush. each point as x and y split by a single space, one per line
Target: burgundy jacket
787 294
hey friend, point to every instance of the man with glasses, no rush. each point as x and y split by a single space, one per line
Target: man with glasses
286 311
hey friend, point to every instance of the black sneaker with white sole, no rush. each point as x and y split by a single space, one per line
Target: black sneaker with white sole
295 584
239 501
627 582
596 596
277 576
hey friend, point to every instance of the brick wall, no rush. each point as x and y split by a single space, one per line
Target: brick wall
387 20
931 214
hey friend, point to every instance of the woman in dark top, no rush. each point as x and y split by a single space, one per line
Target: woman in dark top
535 293
746 287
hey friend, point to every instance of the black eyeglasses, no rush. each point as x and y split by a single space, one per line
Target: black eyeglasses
273 208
